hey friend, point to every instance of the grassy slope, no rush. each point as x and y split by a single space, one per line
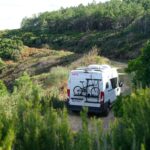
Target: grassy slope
122 45
50 68
39 62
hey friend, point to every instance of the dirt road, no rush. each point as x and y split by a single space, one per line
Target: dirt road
76 122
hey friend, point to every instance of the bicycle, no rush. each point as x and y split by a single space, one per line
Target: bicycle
89 90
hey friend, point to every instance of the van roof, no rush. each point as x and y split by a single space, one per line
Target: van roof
101 67
104 70
94 67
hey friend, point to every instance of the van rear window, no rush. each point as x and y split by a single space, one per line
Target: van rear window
113 82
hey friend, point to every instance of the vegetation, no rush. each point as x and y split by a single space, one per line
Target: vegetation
119 28
57 76
32 112
140 68
133 126
102 16
10 49
29 121
2 64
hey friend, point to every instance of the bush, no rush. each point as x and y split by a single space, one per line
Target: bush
7 133
140 69
3 89
132 129
2 64
10 49
28 121
54 99
57 76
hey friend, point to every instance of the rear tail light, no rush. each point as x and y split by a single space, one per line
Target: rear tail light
68 92
101 97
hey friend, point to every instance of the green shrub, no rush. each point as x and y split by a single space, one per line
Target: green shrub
57 76
29 121
29 39
3 89
83 141
118 108
2 64
52 99
7 133
10 49
55 100
140 69
132 129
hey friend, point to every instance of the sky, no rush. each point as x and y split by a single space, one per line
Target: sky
13 11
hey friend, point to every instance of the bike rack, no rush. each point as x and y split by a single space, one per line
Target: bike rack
87 95
97 83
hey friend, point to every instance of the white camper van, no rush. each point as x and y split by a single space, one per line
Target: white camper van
95 87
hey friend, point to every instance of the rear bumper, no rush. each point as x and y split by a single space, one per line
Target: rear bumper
90 109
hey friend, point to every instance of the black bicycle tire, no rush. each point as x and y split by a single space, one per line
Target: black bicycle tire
93 89
74 91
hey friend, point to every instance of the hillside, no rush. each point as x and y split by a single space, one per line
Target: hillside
35 62
118 28
38 63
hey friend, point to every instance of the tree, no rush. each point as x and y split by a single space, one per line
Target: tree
145 3
10 49
140 67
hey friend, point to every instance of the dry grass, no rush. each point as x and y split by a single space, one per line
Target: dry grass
91 57
57 75
50 68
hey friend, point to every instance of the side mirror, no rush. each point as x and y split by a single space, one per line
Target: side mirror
120 84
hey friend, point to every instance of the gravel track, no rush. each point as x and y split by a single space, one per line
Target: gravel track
76 122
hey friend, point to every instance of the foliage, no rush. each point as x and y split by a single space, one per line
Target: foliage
10 49
118 108
30 126
2 64
118 27
81 28
3 89
83 137
90 58
102 16
132 130
144 3
57 76
55 99
29 121
140 67
7 134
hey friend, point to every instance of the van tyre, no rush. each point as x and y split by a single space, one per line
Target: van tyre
106 110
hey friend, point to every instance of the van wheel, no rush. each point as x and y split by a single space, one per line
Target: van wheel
106 110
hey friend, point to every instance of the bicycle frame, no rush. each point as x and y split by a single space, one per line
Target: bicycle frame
88 90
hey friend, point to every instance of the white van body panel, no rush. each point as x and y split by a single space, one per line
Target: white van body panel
87 86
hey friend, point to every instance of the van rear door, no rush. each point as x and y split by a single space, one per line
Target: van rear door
94 87
84 87
78 85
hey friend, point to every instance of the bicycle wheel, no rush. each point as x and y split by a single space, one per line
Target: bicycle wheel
77 91
95 92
